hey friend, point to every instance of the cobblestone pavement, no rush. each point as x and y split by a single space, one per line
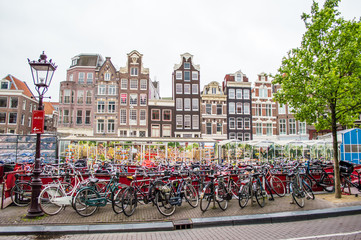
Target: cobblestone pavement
13 215
346 227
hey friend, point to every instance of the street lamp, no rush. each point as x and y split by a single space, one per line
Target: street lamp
42 72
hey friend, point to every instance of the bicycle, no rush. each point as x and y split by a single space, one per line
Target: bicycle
21 192
326 180
274 183
348 178
252 186
300 190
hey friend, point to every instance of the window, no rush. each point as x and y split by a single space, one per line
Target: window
107 76
111 126
283 127
239 93
79 117
246 94
239 77
258 129
143 99
179 121
195 121
239 108
155 114
208 108
133 99
258 110
133 71
239 123
263 93
292 126
88 97
123 99
219 128
231 107
133 116
240 136
101 106
179 88
111 107
66 116
89 78
246 108
5 84
122 133
101 89
232 135
167 131
13 102
219 109
187 65
281 109
141 133
87 117
302 128
269 110
194 88
247 123
24 104
194 75
71 77
187 89
123 116
269 129
187 121
187 76
72 96
142 117
167 115
208 128
124 84
2 117
100 125
187 104
232 123
231 93
143 84
112 90
81 77
195 104
3 102
179 104
178 75
80 97
290 109
13 118
247 136
134 84
155 130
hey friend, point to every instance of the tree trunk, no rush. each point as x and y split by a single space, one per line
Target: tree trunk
336 164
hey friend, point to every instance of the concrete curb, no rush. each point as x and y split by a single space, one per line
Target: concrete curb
191 223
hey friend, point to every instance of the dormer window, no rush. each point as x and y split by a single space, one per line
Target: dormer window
134 71
5 84
107 76
187 65
239 77
74 62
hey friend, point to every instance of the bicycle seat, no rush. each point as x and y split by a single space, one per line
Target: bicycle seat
93 180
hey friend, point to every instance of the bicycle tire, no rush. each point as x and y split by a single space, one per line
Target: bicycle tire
21 194
243 195
308 191
346 186
277 186
117 199
260 194
328 183
222 197
162 201
46 200
129 201
297 195
81 201
206 197
191 195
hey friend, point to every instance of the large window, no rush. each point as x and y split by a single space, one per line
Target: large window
179 104
208 108
231 108
239 123
258 109
112 90
302 127
133 99
292 126
80 97
87 117
133 71
219 128
3 102
246 108
187 76
155 130
66 116
179 121
187 104
195 104
167 115
247 123
167 131
258 129
246 94
101 89
111 107
79 117
269 110
142 117
239 93
100 125
283 127
67 93
239 108
219 109
263 92
89 78
179 88
133 116
143 99
143 84
194 88
81 77
111 126
12 118
134 84
187 121
123 116
155 114
178 75
88 97
195 121
194 75
14 102
124 84
231 93
187 89
209 128
123 99
232 123
269 129
2 117
101 106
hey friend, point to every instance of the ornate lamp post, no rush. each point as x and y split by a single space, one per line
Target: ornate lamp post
42 72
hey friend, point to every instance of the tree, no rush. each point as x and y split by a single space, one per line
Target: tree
321 79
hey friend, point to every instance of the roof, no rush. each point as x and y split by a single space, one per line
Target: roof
48 108
19 85
88 60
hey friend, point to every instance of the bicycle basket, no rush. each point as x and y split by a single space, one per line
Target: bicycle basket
346 168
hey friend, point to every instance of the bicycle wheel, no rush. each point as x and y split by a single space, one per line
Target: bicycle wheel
47 200
206 197
277 186
117 198
259 193
21 194
222 197
328 183
129 201
345 186
243 195
298 195
162 201
308 191
82 203
191 195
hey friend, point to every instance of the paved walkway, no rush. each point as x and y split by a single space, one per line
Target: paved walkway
15 216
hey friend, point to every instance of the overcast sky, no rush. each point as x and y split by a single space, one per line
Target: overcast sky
224 36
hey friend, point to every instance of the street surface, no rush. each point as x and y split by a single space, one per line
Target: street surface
346 227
